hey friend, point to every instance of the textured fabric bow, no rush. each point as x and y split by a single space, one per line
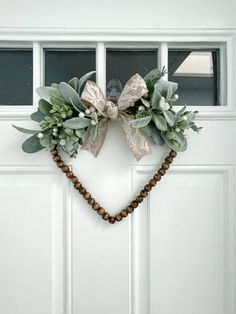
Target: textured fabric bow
134 89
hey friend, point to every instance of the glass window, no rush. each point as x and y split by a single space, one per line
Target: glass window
122 64
16 77
197 73
62 65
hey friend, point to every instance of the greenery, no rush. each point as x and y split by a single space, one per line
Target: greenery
155 115
65 121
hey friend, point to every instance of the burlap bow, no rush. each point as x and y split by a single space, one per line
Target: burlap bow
134 89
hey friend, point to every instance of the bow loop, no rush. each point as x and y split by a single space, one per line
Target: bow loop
134 89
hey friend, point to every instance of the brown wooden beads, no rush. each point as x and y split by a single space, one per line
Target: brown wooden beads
96 206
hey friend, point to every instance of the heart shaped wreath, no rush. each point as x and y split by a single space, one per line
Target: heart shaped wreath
75 115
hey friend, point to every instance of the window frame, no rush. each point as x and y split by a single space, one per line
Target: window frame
126 39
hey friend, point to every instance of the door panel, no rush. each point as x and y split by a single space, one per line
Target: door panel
174 255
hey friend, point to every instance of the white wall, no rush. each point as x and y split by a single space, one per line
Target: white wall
118 14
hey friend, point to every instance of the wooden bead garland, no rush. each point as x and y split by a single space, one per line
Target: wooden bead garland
96 206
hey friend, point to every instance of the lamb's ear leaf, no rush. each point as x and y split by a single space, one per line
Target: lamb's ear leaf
45 107
160 122
26 131
141 122
152 77
37 116
46 92
170 117
77 123
74 83
71 96
32 145
46 141
83 80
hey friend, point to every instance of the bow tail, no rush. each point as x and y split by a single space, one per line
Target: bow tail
94 145
137 142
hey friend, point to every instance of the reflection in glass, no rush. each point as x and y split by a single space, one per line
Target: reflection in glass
197 73
16 77
123 63
62 65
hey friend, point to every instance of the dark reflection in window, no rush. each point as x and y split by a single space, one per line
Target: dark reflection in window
197 73
62 65
16 77
122 64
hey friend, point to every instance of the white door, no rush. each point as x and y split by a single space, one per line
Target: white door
176 253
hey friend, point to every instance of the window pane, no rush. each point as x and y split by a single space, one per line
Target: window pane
62 65
197 73
16 77
122 64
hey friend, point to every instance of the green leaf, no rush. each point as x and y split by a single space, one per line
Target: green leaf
46 92
69 131
83 80
178 142
180 112
26 131
32 145
170 117
55 85
45 107
145 102
77 123
166 88
74 83
71 96
147 130
156 136
151 78
155 99
141 122
46 141
160 122
183 125
37 116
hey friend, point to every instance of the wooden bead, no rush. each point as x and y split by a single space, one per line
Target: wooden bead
165 166
172 154
157 177
74 179
101 211
65 169
147 188
70 174
143 193
87 195
130 209
139 199
134 204
124 213
77 185
105 216
96 206
91 201
112 220
169 159
56 158
82 190
118 217
54 152
161 172
152 182
60 164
